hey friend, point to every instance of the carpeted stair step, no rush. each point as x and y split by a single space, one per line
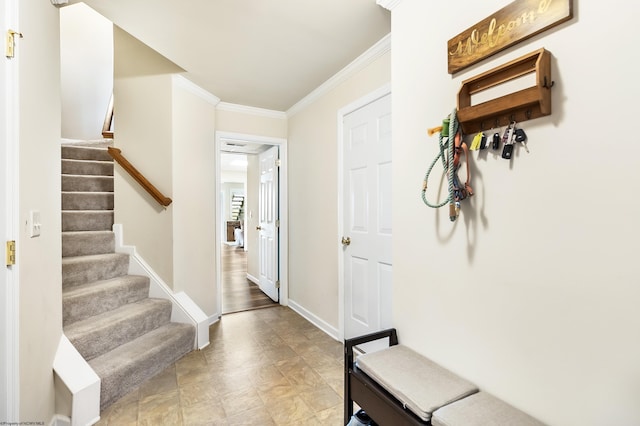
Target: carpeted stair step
70 152
83 243
87 220
129 365
95 298
87 183
87 167
87 201
102 333
80 270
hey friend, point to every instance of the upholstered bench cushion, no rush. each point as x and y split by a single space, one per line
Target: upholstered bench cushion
419 384
481 409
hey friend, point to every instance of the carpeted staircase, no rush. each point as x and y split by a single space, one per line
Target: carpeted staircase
123 334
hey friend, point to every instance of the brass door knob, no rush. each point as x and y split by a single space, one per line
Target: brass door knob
346 241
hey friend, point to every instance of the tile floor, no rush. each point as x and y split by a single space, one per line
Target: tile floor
263 367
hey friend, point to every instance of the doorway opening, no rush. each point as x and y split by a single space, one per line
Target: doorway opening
239 236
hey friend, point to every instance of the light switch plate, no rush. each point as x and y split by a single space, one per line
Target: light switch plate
34 224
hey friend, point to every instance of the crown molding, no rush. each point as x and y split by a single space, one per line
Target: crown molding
388 4
244 109
194 89
376 51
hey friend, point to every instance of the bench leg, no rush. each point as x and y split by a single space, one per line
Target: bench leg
348 363
348 402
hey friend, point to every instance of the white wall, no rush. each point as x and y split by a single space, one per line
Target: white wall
39 259
143 90
532 294
144 136
253 121
86 40
313 197
194 197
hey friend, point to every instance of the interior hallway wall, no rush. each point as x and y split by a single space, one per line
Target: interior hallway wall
313 196
86 40
533 293
194 197
39 258
143 89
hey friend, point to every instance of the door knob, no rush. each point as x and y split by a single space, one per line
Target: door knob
258 228
346 241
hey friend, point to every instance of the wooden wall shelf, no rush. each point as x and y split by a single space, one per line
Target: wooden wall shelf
526 104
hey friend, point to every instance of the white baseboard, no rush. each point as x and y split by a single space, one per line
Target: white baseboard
77 387
253 279
313 319
185 310
59 420
214 319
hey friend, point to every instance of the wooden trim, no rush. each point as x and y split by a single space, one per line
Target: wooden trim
516 22
107 130
526 104
116 154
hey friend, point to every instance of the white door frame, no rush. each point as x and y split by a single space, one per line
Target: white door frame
9 282
342 112
283 205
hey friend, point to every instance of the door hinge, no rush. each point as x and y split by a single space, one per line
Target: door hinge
11 253
277 223
10 43
278 162
278 284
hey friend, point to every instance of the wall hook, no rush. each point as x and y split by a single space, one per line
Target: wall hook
528 114
546 85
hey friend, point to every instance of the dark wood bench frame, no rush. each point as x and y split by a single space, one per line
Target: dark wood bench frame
379 404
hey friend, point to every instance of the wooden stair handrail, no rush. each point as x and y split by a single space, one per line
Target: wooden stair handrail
116 154
107 130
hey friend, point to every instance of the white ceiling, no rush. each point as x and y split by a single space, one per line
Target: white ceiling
233 162
260 53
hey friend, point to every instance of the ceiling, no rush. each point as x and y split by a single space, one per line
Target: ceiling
261 53
234 153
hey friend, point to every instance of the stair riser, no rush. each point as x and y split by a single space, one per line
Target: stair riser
85 153
105 336
103 297
88 243
87 201
79 183
87 221
87 167
140 364
78 271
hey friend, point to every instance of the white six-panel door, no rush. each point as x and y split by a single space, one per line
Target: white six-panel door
367 218
267 223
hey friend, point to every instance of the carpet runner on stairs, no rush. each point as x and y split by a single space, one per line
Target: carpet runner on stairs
123 334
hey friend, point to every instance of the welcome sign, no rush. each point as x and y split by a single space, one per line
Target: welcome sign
515 22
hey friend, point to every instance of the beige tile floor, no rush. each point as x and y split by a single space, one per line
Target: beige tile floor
263 367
